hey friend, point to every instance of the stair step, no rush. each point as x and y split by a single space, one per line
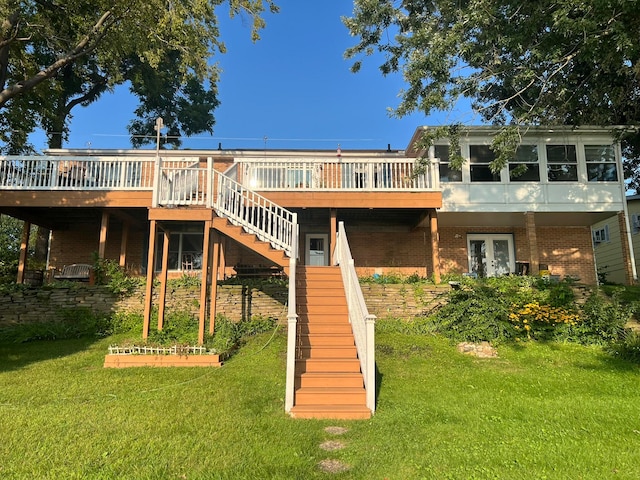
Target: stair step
340 351
331 412
324 326
326 339
327 365
330 396
337 379
323 309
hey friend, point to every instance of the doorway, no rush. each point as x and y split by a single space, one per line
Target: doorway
317 249
491 255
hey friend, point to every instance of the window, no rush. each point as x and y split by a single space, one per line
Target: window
635 223
524 167
562 163
185 251
447 174
480 156
601 235
601 163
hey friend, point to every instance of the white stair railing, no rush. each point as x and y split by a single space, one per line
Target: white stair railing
256 214
362 323
292 324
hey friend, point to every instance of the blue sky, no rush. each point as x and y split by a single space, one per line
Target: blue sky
293 87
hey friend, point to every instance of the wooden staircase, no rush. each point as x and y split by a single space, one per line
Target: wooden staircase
328 380
251 241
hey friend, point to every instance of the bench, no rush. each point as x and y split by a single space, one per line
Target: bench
77 272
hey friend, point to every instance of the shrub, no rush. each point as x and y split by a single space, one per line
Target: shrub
627 347
477 312
111 274
603 320
74 323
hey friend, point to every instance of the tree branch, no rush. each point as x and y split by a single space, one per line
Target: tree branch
86 45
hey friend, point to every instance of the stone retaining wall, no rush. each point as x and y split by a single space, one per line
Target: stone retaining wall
38 304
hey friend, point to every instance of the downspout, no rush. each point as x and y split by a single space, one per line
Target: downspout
625 209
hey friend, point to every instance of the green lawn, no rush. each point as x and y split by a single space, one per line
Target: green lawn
537 411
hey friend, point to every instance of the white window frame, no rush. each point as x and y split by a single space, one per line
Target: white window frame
635 223
601 235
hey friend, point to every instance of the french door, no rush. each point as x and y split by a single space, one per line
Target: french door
491 255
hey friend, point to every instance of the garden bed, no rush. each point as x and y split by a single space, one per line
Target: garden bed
125 357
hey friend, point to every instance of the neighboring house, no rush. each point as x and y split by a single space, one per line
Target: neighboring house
610 243
250 211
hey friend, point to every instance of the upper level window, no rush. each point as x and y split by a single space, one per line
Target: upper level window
480 156
524 167
601 163
562 163
447 174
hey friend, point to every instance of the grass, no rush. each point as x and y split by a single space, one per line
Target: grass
553 411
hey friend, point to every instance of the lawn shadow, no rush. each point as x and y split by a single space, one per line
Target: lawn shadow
379 377
14 356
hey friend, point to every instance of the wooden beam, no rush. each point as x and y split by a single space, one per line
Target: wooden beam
204 277
333 221
222 241
24 250
148 296
104 226
164 274
435 245
124 243
217 255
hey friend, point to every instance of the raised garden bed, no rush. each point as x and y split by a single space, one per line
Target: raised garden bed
125 357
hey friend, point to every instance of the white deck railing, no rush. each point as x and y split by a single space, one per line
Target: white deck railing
183 182
333 174
362 323
76 173
292 324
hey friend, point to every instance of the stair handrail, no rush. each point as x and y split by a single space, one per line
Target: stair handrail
362 322
256 214
292 323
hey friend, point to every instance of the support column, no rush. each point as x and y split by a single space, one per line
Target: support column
627 259
24 250
217 256
435 244
222 258
532 239
204 278
333 220
164 274
148 296
123 244
104 226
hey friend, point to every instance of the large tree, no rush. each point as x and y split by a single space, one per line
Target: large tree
553 62
57 54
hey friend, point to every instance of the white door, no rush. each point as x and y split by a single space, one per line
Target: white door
491 255
317 249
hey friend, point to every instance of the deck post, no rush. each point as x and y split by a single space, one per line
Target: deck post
163 279
148 296
104 226
123 244
435 244
24 249
333 214
204 277
214 282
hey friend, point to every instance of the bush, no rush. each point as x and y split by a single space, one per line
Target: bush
477 312
111 274
74 323
627 347
603 320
